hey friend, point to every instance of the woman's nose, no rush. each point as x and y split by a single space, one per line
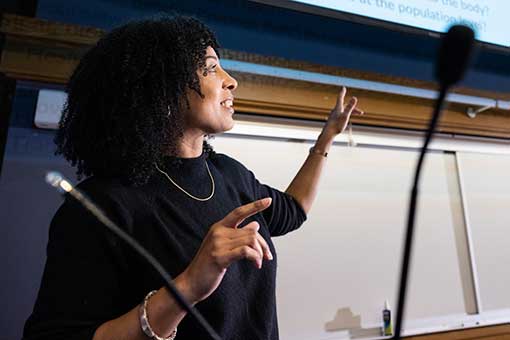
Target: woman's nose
229 82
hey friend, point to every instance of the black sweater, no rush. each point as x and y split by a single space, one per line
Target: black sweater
91 277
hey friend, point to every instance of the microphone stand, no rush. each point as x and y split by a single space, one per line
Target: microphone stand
453 58
406 259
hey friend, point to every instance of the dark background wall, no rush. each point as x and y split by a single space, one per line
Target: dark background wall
27 204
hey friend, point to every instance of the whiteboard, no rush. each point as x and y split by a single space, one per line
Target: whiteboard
348 253
486 188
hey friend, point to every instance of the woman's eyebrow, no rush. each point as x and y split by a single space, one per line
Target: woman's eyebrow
211 56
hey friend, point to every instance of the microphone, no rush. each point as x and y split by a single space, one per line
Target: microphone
454 55
56 180
455 51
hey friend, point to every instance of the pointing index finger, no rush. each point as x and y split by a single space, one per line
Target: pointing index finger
238 215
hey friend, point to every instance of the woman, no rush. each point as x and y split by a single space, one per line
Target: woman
139 105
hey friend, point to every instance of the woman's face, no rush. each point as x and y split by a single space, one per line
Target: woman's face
212 113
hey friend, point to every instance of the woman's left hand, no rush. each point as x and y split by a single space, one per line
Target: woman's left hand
340 115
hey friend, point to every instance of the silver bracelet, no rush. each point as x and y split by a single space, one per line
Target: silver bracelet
144 321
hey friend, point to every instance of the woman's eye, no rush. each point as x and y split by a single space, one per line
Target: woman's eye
209 69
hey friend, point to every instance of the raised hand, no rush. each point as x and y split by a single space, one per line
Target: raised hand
340 115
224 244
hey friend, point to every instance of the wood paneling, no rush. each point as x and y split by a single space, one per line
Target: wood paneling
43 51
48 52
280 97
499 332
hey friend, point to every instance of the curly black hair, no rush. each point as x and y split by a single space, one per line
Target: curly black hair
123 113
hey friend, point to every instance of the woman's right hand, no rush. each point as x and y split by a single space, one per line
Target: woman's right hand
223 245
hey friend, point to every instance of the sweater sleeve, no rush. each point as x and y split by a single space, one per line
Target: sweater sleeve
285 214
81 287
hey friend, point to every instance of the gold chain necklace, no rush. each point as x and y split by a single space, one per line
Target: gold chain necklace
184 191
